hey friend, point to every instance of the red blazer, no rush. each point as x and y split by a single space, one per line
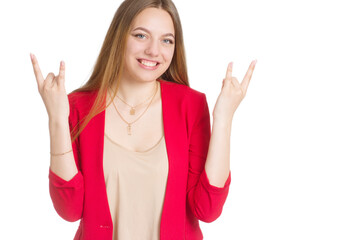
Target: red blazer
189 197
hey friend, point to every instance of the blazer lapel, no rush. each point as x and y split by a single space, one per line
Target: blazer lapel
175 134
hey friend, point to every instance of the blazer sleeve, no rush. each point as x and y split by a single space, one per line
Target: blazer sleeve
68 196
205 200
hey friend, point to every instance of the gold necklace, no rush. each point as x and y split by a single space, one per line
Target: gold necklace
128 123
132 109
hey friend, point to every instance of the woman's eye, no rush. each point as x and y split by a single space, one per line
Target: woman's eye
139 35
168 41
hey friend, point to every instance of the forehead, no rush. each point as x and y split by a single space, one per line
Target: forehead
155 20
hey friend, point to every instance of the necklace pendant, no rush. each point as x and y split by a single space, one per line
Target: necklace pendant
132 111
129 130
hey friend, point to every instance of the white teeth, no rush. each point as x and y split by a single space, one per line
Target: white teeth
147 63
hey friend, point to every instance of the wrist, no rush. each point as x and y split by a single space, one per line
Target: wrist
222 121
58 122
222 118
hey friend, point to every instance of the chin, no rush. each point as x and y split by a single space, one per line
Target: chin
148 77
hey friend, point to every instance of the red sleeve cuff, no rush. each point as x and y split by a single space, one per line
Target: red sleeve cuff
57 181
206 183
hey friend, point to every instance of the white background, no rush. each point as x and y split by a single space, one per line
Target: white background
295 139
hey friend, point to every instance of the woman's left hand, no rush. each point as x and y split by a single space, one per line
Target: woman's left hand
232 93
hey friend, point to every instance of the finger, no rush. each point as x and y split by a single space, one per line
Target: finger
229 71
38 75
49 80
61 78
248 75
235 82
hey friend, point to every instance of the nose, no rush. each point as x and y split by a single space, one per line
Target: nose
152 48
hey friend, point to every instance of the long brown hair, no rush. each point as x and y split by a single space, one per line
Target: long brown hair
109 64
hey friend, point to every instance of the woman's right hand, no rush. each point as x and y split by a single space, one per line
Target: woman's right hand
52 91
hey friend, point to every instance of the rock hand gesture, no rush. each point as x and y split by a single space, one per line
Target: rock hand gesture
232 93
52 91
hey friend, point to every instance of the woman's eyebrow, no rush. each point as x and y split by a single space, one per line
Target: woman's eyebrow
144 29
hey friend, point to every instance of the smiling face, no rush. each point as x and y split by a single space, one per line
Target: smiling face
150 45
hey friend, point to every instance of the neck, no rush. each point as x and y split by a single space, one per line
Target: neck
135 92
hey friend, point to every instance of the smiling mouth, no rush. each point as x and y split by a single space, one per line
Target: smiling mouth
148 63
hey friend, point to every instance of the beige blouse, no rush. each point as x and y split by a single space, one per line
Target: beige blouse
135 185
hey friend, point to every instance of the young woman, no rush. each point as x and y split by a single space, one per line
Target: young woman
132 154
